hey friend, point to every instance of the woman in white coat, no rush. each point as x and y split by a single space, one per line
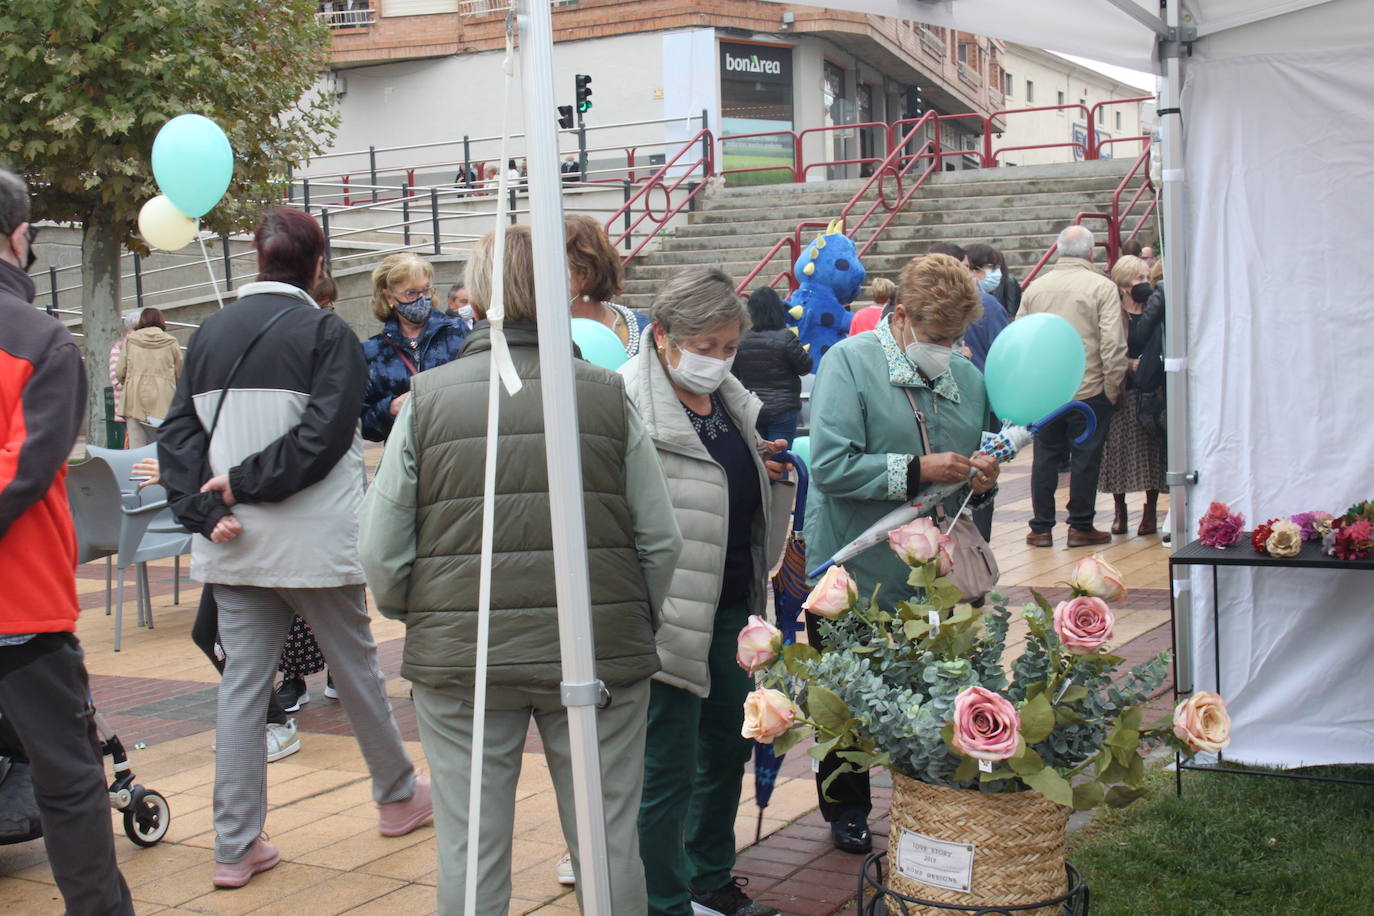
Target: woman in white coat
701 420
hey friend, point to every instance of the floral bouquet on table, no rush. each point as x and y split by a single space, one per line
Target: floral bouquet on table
926 688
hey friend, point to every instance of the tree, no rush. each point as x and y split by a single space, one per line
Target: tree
90 82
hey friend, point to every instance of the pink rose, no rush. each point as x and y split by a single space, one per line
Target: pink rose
920 541
759 643
767 714
1202 722
1096 578
1217 510
986 725
1220 531
1084 624
833 595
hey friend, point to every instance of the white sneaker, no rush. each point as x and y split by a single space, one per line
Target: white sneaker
282 740
329 690
565 871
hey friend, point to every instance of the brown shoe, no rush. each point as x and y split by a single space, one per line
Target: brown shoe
1040 539
1119 519
1086 537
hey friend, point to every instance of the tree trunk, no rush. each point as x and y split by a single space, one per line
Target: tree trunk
100 292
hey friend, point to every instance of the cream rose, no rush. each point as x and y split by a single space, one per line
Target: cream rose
986 725
1096 578
833 595
1202 722
1084 624
767 714
1285 539
920 541
759 643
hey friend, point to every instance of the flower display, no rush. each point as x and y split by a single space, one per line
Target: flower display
920 541
768 713
1094 577
1202 722
833 595
1259 539
1309 523
1352 541
1084 624
1220 527
986 726
1285 539
759 643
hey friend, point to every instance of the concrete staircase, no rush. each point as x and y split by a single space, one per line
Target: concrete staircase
1017 210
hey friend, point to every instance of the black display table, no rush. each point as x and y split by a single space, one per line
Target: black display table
1242 553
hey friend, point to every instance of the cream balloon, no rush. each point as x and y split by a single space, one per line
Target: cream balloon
163 226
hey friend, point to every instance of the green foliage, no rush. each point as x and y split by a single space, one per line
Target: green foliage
884 688
90 82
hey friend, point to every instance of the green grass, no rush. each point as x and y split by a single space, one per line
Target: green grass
780 172
1249 845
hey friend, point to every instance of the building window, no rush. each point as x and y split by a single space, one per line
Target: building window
1102 117
963 52
1118 120
1059 96
1007 79
1030 92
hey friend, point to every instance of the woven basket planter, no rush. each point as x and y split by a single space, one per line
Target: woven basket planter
1017 840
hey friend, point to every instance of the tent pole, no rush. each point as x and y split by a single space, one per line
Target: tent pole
1180 476
580 688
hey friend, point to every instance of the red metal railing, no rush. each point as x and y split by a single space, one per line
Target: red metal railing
662 182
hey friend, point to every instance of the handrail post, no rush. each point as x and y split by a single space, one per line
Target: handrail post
798 169
290 190
347 199
1091 153
988 162
628 231
305 190
405 213
52 289
707 166
581 150
372 169
630 163
228 276
467 162
434 216
138 280
328 248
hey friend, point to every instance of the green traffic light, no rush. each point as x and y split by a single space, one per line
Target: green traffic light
585 106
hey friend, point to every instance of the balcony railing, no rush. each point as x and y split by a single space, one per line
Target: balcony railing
969 75
477 9
934 44
339 14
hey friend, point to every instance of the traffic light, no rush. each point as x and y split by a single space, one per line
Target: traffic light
565 117
584 92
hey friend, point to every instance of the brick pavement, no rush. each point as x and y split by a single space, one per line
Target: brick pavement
160 692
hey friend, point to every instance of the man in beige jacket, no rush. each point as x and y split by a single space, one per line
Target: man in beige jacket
1078 292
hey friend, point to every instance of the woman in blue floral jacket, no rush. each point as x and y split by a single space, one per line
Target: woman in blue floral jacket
415 336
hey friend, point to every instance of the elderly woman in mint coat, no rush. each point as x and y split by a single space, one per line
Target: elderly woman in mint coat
867 458
702 422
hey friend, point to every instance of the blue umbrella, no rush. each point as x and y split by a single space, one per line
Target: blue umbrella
789 591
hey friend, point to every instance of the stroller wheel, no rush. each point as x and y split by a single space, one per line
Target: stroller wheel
147 818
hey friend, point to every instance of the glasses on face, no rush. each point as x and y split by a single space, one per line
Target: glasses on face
410 295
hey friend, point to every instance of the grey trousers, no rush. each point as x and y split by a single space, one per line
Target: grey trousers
253 623
45 694
445 719
140 433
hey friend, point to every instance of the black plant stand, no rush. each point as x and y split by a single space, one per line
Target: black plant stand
1073 902
1242 554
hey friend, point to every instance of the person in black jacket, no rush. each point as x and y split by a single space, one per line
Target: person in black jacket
770 363
997 279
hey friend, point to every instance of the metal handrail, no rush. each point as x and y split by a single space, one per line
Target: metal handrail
706 161
1119 216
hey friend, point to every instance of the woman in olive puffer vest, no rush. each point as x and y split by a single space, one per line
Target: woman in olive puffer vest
421 546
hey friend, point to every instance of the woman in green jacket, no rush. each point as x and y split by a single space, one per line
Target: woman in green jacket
867 458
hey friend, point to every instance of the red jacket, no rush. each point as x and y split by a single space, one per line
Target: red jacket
42 402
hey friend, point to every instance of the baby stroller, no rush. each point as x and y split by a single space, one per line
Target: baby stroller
146 813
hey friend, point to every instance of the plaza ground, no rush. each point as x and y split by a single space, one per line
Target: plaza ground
159 693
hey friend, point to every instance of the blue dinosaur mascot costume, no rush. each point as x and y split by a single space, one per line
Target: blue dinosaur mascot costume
830 275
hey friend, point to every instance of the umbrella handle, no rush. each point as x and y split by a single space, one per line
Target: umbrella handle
803 481
1088 415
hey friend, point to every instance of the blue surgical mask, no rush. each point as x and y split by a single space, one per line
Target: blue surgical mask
992 278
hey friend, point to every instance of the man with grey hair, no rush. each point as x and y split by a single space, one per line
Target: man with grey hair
43 685
1078 292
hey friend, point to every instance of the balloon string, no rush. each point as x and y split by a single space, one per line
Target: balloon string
214 284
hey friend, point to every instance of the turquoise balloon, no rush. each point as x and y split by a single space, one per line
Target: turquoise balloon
802 447
598 343
1033 367
193 163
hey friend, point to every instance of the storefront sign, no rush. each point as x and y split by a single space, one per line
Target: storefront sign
756 62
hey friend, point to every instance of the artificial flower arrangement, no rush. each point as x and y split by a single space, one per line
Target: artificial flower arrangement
1347 537
923 689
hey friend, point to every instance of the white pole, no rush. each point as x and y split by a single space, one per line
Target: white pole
214 284
1176 346
581 690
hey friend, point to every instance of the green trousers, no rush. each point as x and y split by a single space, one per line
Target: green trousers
445 719
693 767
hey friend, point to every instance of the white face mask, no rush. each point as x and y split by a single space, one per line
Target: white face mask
465 312
699 374
931 358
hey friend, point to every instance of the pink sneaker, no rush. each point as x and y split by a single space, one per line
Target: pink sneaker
262 855
399 818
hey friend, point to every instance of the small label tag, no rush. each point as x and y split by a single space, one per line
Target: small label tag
1063 689
985 766
934 618
938 863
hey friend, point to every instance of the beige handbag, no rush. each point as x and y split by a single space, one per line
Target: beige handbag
975 568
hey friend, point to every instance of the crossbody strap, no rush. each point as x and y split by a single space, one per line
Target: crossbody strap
234 370
410 366
925 442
